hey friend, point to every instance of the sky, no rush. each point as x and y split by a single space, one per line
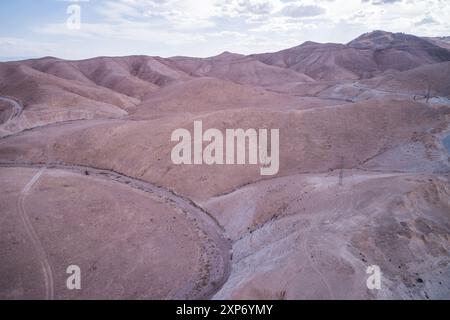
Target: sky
78 29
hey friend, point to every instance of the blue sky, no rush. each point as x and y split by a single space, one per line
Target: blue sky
35 28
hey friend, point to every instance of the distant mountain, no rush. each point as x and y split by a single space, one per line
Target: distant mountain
114 86
133 76
443 42
400 51
328 61
8 59
240 69
366 56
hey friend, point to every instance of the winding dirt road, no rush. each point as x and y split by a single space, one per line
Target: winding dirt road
16 106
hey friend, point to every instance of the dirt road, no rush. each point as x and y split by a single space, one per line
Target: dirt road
17 108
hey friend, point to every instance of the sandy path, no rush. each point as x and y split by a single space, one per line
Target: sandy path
216 252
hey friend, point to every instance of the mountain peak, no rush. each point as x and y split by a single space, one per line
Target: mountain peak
308 43
227 55
380 39
377 33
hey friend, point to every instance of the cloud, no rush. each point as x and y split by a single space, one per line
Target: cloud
427 20
179 14
255 7
124 31
297 11
202 27
234 8
380 2
12 47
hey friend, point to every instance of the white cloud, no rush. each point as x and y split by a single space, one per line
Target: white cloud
297 11
204 27
12 47
136 31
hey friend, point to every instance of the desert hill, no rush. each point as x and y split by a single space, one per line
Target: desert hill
323 61
85 153
239 69
363 57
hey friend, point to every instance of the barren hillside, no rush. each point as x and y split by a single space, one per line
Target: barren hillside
85 155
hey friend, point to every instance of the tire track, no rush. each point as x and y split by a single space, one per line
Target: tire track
32 235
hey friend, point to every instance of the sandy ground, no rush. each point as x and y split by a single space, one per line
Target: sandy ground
130 241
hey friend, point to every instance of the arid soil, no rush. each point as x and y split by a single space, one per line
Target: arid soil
115 227
364 179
